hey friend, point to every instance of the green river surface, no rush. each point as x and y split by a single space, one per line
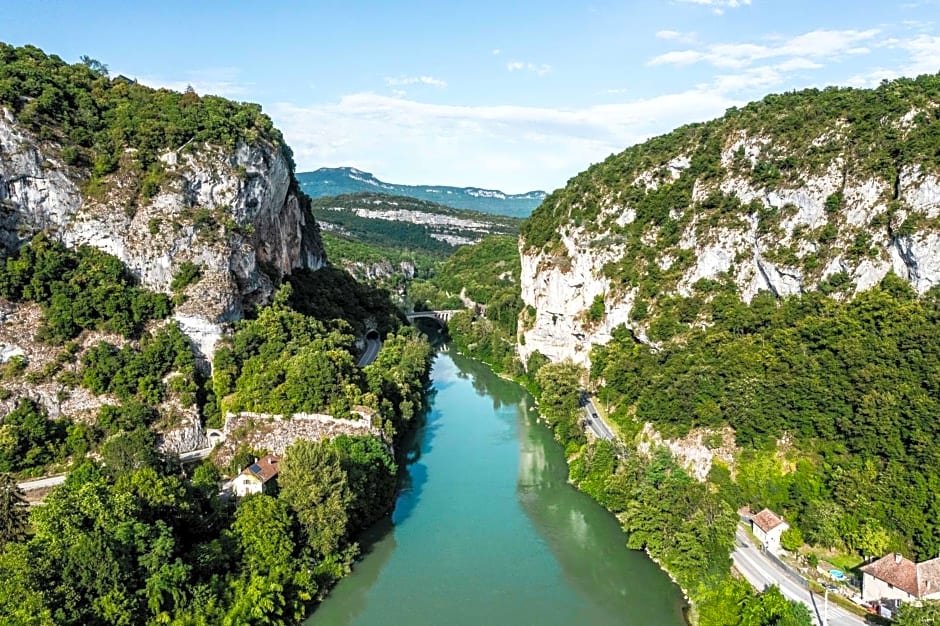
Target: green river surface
487 530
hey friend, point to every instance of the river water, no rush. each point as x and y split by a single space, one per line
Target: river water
487 531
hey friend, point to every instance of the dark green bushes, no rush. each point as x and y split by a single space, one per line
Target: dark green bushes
98 118
853 384
78 290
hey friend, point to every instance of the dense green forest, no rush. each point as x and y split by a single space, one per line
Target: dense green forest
284 362
126 540
852 385
97 119
361 242
382 233
140 545
347 251
79 289
850 388
331 293
686 525
131 537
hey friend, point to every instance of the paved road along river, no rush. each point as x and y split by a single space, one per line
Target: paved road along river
488 531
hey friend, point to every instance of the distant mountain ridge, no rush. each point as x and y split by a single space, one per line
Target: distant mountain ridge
334 181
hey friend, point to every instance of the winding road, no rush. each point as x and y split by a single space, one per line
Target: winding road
760 571
372 350
594 421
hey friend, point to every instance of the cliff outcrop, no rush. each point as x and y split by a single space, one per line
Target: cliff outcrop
236 213
819 190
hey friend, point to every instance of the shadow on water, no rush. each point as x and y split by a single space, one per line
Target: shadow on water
377 543
501 391
580 533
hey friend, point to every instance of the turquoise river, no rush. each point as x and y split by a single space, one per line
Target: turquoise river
487 531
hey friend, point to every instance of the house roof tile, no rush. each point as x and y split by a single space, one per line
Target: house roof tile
895 570
264 469
766 520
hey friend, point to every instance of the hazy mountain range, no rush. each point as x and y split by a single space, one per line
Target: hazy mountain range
333 181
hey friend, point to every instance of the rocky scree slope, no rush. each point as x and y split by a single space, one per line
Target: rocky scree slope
826 190
231 207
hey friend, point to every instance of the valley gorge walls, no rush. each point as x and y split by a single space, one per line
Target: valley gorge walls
235 213
835 223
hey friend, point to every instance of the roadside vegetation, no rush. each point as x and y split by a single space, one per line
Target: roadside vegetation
486 273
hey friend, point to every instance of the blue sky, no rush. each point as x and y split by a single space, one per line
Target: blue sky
507 95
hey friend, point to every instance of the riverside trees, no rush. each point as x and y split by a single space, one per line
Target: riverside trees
136 545
852 385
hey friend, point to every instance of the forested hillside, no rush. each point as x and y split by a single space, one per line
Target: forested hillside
826 190
97 119
390 240
105 358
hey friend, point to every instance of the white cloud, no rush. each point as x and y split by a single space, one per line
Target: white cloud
798 63
497 52
719 6
540 70
401 81
221 81
674 35
464 145
817 44
678 57
615 90
923 57
751 78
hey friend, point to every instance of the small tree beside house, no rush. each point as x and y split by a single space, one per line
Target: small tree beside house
791 539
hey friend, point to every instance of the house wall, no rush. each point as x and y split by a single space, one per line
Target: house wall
245 484
760 534
773 537
770 540
876 589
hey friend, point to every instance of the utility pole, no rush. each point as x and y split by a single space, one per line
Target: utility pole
826 608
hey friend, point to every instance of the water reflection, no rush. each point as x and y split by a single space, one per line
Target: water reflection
587 541
500 537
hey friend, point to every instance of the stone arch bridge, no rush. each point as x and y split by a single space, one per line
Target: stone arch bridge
442 317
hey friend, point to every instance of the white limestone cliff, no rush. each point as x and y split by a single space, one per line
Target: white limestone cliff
233 212
561 284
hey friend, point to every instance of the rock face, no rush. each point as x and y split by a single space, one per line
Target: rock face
275 432
655 223
236 213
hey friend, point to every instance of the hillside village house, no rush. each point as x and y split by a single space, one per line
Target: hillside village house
768 527
257 477
893 579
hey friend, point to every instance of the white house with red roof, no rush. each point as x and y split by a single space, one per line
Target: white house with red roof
257 477
767 526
